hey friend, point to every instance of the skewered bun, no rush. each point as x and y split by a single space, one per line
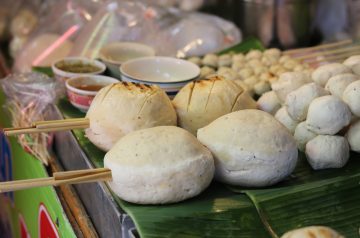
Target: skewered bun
250 147
158 165
298 101
323 73
200 102
353 136
337 84
351 96
121 108
325 152
327 115
312 232
303 135
288 82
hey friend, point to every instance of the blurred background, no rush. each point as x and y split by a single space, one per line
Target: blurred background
35 32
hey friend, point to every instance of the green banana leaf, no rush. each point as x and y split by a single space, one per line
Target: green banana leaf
327 197
217 212
244 46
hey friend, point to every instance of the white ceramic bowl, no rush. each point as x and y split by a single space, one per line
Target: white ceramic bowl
171 74
82 90
64 75
116 53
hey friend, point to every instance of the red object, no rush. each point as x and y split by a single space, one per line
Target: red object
83 100
47 228
23 228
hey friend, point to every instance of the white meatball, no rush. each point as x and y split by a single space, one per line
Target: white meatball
297 102
265 76
238 57
351 96
227 73
273 52
352 60
283 117
353 136
262 87
323 73
325 152
275 68
225 60
269 102
260 70
302 135
195 60
290 64
269 60
251 81
327 115
284 58
288 82
206 71
337 84
210 60
245 73
299 67
253 54
237 65
254 63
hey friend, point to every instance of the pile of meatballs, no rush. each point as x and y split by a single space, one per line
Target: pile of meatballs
321 109
254 71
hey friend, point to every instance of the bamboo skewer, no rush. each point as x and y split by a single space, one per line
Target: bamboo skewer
50 126
59 178
333 57
330 52
319 47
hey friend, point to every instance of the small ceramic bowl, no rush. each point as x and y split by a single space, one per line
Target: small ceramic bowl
82 90
170 74
116 53
70 67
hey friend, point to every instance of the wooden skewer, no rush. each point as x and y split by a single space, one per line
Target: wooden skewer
330 52
50 126
319 47
70 120
59 178
333 58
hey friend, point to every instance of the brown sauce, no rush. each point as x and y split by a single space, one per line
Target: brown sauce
90 87
77 67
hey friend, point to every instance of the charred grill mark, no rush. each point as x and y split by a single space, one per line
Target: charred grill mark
208 98
146 100
108 91
190 95
236 99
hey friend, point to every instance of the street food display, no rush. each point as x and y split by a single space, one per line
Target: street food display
181 138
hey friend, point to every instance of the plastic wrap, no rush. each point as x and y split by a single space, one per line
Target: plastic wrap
169 31
28 98
55 33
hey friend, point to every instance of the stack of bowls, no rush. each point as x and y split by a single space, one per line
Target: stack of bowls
170 74
116 53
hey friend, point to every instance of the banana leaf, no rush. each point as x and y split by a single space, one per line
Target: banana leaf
244 46
327 197
217 212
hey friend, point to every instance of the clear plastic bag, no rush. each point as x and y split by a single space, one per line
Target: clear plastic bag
29 96
170 31
55 33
